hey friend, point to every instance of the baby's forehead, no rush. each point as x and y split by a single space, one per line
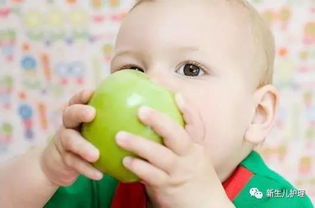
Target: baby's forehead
235 11
238 13
236 20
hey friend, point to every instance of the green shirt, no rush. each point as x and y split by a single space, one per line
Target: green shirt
252 185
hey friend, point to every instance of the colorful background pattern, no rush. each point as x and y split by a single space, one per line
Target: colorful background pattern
50 49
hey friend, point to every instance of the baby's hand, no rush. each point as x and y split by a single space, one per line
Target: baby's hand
179 174
68 153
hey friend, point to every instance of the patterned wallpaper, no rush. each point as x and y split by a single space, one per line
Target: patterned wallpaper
49 49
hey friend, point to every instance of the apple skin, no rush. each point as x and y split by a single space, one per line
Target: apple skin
117 100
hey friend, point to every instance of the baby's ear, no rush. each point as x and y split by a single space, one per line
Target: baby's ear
266 101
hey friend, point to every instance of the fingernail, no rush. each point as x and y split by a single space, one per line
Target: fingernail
98 175
93 154
179 100
121 137
144 112
90 109
89 112
126 161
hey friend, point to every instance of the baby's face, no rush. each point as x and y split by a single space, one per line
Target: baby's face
204 52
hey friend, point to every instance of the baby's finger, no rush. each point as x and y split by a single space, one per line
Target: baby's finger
75 114
81 97
72 141
81 166
150 174
157 154
194 124
188 117
174 136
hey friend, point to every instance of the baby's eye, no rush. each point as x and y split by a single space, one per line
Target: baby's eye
132 67
191 69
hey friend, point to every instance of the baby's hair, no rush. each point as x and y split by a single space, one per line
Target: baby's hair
263 37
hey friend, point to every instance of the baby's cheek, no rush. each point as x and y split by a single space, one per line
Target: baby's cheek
221 126
217 118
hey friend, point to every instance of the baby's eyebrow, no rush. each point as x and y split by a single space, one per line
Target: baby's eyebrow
175 49
135 53
181 48
122 53
188 48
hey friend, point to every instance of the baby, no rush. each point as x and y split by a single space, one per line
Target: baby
217 56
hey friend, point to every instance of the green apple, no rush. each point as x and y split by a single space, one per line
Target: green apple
117 101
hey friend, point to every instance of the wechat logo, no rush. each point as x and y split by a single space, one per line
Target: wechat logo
254 192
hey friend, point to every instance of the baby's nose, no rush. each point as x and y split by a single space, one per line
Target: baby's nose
162 79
